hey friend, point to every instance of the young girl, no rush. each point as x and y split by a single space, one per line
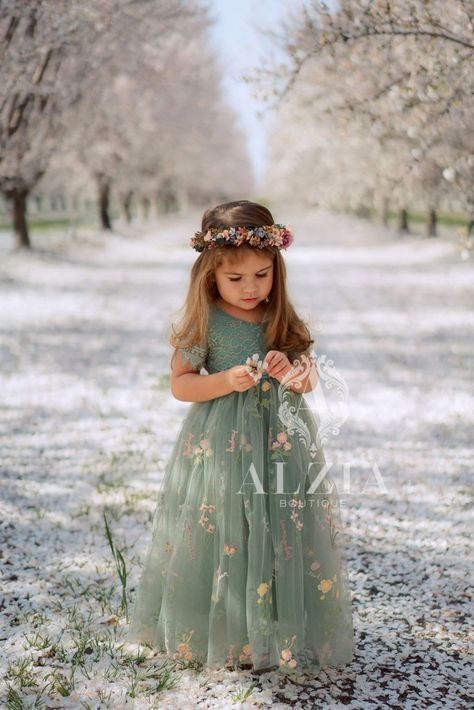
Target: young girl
245 567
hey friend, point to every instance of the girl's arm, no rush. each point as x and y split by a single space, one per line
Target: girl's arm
188 385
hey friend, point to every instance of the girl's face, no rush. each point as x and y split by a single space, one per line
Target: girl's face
246 283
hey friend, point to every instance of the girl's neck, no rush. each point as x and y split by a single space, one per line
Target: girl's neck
255 315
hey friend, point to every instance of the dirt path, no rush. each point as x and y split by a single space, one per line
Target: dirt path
87 421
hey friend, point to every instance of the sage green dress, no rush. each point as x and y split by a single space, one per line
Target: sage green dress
243 568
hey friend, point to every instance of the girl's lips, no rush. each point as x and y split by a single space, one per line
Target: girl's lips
249 299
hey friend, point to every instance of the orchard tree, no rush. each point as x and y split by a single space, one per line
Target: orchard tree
29 66
127 88
160 133
399 74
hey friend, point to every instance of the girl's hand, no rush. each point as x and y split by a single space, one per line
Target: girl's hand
239 378
278 365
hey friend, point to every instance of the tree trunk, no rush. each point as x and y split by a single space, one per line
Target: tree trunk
403 220
169 202
104 202
470 227
182 202
168 197
143 208
384 212
17 198
125 206
157 207
432 224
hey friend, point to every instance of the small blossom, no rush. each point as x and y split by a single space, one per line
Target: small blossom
325 585
230 550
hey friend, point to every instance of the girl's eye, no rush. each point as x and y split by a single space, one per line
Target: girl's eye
260 276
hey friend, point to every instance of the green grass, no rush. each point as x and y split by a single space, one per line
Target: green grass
50 223
120 565
449 220
39 225
421 218
244 694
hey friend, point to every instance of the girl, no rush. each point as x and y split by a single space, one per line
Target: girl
245 567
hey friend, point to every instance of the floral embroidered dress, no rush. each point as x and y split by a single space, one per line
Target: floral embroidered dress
245 564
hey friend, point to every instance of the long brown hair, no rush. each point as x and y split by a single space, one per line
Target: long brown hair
284 329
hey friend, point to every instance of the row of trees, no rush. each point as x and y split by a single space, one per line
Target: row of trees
375 106
122 97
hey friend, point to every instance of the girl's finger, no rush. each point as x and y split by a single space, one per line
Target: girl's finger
245 375
244 382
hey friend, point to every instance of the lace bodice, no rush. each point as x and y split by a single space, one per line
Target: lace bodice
230 341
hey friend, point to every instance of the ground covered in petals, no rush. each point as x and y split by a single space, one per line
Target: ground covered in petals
87 421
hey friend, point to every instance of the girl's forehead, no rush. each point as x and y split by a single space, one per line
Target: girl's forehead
247 260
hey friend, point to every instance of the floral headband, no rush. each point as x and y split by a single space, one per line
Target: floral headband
274 235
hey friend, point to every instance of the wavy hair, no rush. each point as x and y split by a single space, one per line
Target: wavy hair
284 329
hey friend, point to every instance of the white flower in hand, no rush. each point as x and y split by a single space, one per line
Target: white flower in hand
255 367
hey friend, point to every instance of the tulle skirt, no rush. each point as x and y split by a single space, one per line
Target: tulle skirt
245 566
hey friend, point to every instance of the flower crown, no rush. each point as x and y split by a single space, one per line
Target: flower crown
274 235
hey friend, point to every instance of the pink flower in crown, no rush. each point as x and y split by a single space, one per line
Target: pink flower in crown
287 238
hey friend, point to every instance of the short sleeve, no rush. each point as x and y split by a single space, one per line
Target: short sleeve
195 354
292 355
